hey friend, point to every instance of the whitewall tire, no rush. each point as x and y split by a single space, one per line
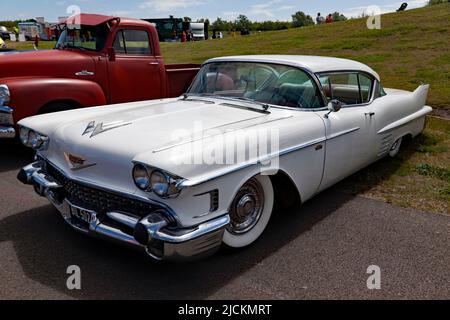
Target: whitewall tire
250 212
395 148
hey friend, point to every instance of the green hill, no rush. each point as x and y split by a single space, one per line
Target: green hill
411 48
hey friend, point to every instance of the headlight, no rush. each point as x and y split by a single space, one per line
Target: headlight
141 177
5 97
150 179
33 139
160 183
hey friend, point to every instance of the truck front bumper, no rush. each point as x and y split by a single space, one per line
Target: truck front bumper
6 123
154 233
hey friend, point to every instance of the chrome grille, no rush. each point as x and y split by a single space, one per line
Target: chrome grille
99 200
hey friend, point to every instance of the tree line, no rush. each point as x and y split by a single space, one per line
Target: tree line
242 22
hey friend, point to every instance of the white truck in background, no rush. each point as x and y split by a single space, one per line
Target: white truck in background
198 30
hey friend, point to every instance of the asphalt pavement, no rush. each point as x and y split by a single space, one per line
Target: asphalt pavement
321 250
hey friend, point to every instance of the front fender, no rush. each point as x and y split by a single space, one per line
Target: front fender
28 95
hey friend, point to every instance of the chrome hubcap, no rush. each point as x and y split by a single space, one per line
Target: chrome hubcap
247 207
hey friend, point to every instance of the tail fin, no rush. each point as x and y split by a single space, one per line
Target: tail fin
421 94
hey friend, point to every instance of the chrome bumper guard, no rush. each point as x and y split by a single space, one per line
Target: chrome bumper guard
153 233
6 123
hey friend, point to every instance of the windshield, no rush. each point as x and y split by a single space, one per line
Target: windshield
259 82
91 38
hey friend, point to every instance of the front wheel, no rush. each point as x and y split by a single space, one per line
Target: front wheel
250 212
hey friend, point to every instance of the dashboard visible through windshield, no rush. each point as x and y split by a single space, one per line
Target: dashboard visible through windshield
266 83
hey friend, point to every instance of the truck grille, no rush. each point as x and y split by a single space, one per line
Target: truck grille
99 200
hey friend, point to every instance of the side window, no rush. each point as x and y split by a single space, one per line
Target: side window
349 88
295 89
366 85
137 42
119 44
379 91
133 42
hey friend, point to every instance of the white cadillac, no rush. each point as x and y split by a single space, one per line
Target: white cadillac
179 177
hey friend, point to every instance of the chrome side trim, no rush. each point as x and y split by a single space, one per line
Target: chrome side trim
421 113
201 137
84 73
194 182
342 133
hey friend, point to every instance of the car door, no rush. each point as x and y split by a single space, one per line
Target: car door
350 132
135 73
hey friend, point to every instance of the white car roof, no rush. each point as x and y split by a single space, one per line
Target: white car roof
315 64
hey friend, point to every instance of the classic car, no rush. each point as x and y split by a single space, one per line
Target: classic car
172 176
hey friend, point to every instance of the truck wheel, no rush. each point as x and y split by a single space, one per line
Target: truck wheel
56 107
250 212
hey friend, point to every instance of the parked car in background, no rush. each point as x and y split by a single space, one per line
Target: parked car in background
4 33
108 60
141 173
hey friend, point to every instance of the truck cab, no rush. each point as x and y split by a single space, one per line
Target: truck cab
98 60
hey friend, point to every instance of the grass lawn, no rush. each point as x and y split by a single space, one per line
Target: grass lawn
29 45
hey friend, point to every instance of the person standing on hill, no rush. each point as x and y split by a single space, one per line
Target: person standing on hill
329 19
319 19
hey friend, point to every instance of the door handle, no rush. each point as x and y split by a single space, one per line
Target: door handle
369 114
153 63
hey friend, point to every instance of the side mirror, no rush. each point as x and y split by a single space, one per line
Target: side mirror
334 106
112 54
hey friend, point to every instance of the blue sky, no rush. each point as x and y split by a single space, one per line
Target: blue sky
255 9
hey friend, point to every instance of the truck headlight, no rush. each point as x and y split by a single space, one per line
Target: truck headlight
154 180
5 96
33 139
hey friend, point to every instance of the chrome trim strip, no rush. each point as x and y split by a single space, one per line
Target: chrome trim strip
170 146
84 73
416 115
190 183
194 182
342 133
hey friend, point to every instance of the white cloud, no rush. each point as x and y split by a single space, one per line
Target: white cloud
269 8
168 5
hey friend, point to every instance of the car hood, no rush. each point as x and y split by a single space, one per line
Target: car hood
48 63
156 133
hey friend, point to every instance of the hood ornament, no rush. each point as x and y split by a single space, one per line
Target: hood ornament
94 129
76 162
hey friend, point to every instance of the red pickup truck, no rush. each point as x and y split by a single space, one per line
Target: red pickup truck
98 60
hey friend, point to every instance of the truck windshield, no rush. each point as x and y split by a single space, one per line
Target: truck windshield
92 38
262 83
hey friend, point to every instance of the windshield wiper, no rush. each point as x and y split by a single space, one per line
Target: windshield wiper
265 106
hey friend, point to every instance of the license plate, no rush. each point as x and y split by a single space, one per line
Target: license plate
84 215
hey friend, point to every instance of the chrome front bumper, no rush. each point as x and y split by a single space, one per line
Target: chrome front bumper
6 123
155 233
